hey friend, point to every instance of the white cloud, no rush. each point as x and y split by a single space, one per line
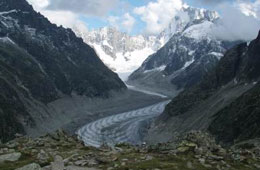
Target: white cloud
157 15
114 21
39 4
126 22
84 7
236 23
67 19
250 8
64 18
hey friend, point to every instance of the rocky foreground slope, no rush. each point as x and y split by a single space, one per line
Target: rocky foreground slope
225 103
194 150
40 63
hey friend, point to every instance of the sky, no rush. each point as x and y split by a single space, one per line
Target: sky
147 16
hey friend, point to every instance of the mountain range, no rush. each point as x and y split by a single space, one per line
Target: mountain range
121 52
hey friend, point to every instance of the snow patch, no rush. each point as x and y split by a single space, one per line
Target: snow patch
161 68
199 31
124 63
187 64
107 44
191 52
8 12
218 55
145 91
7 40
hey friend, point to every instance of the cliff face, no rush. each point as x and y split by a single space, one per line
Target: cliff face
225 102
241 119
40 62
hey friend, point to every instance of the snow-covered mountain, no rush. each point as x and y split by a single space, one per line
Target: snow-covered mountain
119 51
191 52
124 54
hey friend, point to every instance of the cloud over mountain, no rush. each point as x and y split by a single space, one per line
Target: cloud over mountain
86 7
239 19
157 15
236 23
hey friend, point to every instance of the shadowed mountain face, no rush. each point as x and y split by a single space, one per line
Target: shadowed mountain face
225 102
39 63
241 119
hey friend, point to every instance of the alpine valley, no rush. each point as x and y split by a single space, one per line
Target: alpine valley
79 99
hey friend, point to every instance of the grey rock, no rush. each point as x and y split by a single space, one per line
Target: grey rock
81 163
79 168
47 167
12 145
43 157
58 163
10 157
189 165
32 166
149 157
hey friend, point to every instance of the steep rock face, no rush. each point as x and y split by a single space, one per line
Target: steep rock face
240 120
39 63
224 102
189 54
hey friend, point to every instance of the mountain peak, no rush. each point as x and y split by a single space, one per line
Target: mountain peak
200 13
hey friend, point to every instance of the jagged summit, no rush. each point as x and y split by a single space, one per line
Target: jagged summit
119 51
185 18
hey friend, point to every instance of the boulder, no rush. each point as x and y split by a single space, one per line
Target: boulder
58 163
12 157
43 157
79 168
32 166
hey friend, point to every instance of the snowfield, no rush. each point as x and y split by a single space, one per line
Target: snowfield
123 63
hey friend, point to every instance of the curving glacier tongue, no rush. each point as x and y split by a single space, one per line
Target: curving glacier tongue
126 127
